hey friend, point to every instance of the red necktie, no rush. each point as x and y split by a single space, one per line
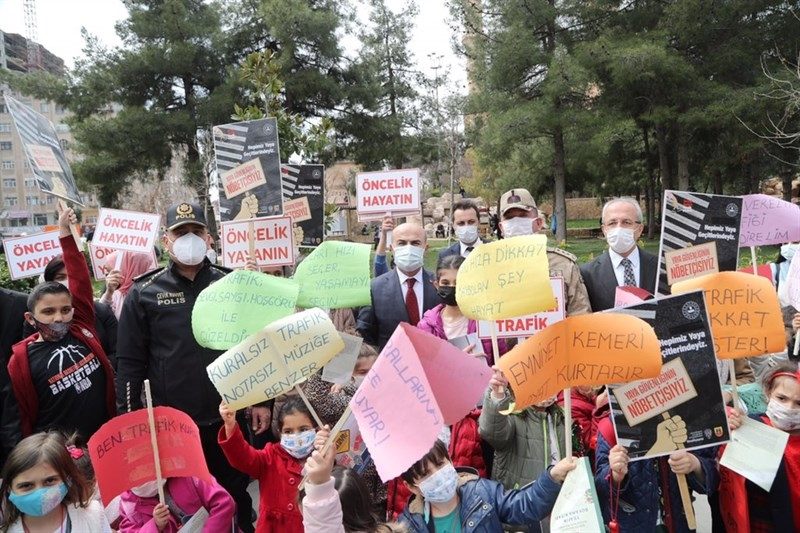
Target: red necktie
412 305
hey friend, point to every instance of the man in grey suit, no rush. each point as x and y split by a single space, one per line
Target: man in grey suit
624 263
404 293
466 223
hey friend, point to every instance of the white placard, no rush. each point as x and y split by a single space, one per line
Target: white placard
528 325
388 191
27 256
755 452
272 237
126 230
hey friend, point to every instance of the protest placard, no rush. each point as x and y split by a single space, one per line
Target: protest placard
506 279
387 191
577 508
745 314
690 219
335 275
273 244
27 256
43 149
691 262
228 311
415 371
768 220
685 395
304 201
339 370
98 257
275 359
122 453
581 350
351 451
126 230
792 282
248 163
525 326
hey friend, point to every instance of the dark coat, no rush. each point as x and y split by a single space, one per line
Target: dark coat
601 283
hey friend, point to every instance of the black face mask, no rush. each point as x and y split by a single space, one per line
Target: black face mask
447 294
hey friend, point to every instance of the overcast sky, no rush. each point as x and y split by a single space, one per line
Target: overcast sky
60 22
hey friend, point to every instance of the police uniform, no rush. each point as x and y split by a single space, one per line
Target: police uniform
155 342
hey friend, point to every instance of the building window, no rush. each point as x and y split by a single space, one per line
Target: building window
3 108
32 200
50 199
5 127
44 107
40 220
9 183
64 144
10 201
5 145
26 165
30 183
8 165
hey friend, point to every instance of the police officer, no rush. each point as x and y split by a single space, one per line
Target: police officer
155 342
519 216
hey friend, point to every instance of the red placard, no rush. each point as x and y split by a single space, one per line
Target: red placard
122 455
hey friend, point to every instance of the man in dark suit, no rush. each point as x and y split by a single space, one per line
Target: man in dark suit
404 293
13 306
624 263
466 222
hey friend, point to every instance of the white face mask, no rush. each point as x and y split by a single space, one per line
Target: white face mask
782 417
409 258
467 234
441 486
148 490
189 249
514 227
358 380
621 240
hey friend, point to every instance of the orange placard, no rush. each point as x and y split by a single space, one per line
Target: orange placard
122 454
744 313
591 349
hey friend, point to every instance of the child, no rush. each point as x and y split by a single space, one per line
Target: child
43 491
644 495
330 402
525 443
446 320
278 467
60 376
336 499
747 507
119 282
140 510
448 501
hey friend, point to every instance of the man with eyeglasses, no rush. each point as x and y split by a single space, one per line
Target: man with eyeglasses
624 263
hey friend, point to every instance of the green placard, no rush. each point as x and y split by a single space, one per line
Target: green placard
240 304
335 275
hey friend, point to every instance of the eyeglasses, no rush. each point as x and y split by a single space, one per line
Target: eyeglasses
625 223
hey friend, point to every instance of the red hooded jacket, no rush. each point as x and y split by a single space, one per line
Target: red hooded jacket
82 328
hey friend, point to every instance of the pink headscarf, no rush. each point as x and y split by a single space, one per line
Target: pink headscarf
131 266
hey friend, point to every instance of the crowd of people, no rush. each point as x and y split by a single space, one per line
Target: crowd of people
72 363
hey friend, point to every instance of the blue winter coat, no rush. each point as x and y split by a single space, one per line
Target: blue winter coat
639 495
485 506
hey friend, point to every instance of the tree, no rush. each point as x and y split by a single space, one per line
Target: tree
139 106
379 118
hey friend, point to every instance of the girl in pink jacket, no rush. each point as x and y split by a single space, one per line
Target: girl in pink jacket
140 511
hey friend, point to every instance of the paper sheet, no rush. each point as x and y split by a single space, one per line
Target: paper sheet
755 452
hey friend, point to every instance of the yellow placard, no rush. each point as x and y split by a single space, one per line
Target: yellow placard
275 359
744 313
581 350
506 279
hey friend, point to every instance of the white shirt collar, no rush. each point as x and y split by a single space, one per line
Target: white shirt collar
465 246
616 259
403 277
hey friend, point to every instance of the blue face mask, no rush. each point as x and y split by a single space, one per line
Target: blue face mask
40 501
299 445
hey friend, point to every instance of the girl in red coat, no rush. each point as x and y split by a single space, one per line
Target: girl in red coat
747 507
278 467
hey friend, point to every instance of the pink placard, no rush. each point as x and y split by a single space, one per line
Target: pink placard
630 295
768 220
409 394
